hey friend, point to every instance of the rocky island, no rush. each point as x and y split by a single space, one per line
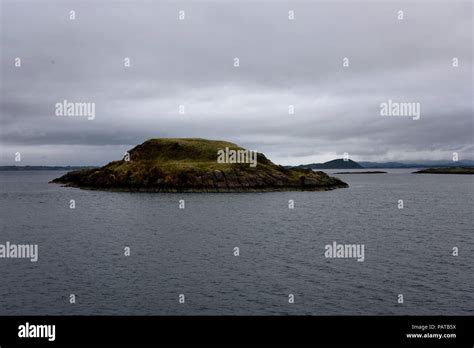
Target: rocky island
196 165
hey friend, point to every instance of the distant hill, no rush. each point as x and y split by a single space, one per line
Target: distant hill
364 172
350 164
16 168
334 164
421 164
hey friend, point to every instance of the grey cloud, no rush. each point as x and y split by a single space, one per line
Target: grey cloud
282 62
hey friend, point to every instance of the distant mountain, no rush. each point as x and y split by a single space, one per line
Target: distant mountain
450 170
69 168
424 164
384 165
334 164
350 164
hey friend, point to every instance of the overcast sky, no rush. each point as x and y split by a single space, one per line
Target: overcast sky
282 62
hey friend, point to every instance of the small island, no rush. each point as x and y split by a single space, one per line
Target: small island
196 165
448 170
366 172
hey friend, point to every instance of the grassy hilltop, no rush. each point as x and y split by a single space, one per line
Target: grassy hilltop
190 165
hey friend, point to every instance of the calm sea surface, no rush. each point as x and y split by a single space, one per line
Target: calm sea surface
190 251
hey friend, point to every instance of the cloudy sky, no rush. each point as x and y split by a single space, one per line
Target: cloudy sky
190 62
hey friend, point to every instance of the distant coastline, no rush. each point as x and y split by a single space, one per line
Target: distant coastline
350 164
68 168
365 172
452 170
